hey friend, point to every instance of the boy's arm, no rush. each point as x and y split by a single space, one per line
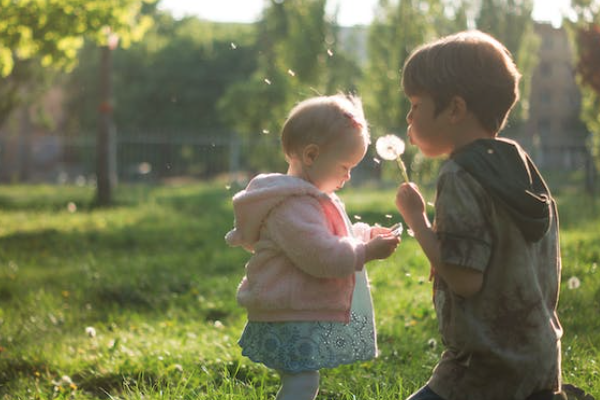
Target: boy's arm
463 281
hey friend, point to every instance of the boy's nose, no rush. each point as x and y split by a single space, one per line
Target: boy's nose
409 117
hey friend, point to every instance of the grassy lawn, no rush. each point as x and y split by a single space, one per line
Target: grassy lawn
138 301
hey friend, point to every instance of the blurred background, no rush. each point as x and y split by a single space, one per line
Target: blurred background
101 92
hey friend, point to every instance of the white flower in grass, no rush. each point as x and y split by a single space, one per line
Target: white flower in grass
573 283
391 147
90 331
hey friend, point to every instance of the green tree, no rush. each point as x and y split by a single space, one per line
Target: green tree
298 58
399 27
41 35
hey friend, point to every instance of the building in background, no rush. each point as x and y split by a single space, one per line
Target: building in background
554 133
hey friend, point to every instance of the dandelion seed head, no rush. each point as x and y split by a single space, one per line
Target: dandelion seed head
71 207
573 283
390 147
90 331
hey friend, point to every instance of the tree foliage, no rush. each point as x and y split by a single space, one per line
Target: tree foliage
170 80
297 58
40 35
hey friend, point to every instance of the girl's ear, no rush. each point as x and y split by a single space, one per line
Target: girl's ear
458 109
310 154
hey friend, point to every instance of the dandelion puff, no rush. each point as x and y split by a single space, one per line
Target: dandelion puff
90 331
432 343
573 283
390 147
218 324
71 207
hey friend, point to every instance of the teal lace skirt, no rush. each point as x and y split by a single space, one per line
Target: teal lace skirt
305 346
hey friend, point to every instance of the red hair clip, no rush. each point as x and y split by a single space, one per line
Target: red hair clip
357 124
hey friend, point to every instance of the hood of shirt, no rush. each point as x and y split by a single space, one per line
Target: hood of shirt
252 205
509 175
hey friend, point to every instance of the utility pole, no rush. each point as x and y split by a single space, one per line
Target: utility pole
106 174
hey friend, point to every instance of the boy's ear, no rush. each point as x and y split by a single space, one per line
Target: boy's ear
458 109
310 154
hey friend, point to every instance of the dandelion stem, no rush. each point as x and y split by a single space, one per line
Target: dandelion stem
402 168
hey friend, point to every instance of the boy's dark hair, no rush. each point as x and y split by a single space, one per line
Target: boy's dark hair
469 64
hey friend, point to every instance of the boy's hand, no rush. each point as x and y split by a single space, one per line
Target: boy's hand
381 247
410 203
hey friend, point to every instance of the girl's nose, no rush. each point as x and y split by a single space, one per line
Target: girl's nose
409 117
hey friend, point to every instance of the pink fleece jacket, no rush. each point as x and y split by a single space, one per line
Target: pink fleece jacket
304 260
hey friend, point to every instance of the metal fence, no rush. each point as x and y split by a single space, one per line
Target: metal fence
152 156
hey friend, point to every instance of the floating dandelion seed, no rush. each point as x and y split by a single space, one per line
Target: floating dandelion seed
358 217
329 52
265 132
410 232
391 147
268 82
389 216
228 187
291 73
573 283
233 46
376 160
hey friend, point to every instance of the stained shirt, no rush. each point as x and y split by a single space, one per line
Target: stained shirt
504 342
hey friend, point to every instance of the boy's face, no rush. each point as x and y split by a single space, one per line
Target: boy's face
426 130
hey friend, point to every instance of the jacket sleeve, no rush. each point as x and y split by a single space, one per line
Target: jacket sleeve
299 227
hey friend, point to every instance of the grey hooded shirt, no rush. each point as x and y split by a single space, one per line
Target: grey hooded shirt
495 214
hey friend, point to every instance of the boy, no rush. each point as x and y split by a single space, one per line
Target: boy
494 243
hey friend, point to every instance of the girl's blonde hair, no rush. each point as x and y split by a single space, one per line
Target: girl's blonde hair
322 121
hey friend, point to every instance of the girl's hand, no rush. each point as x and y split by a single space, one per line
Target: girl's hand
410 203
381 247
379 230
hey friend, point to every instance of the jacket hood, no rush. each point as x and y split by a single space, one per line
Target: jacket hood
505 170
252 205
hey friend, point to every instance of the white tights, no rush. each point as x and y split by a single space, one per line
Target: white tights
300 386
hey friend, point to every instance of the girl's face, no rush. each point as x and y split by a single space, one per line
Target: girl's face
426 130
330 169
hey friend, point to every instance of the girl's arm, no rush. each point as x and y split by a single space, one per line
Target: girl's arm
300 230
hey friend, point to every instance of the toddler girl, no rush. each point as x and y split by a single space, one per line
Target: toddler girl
306 290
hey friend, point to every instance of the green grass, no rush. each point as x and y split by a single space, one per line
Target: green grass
154 279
